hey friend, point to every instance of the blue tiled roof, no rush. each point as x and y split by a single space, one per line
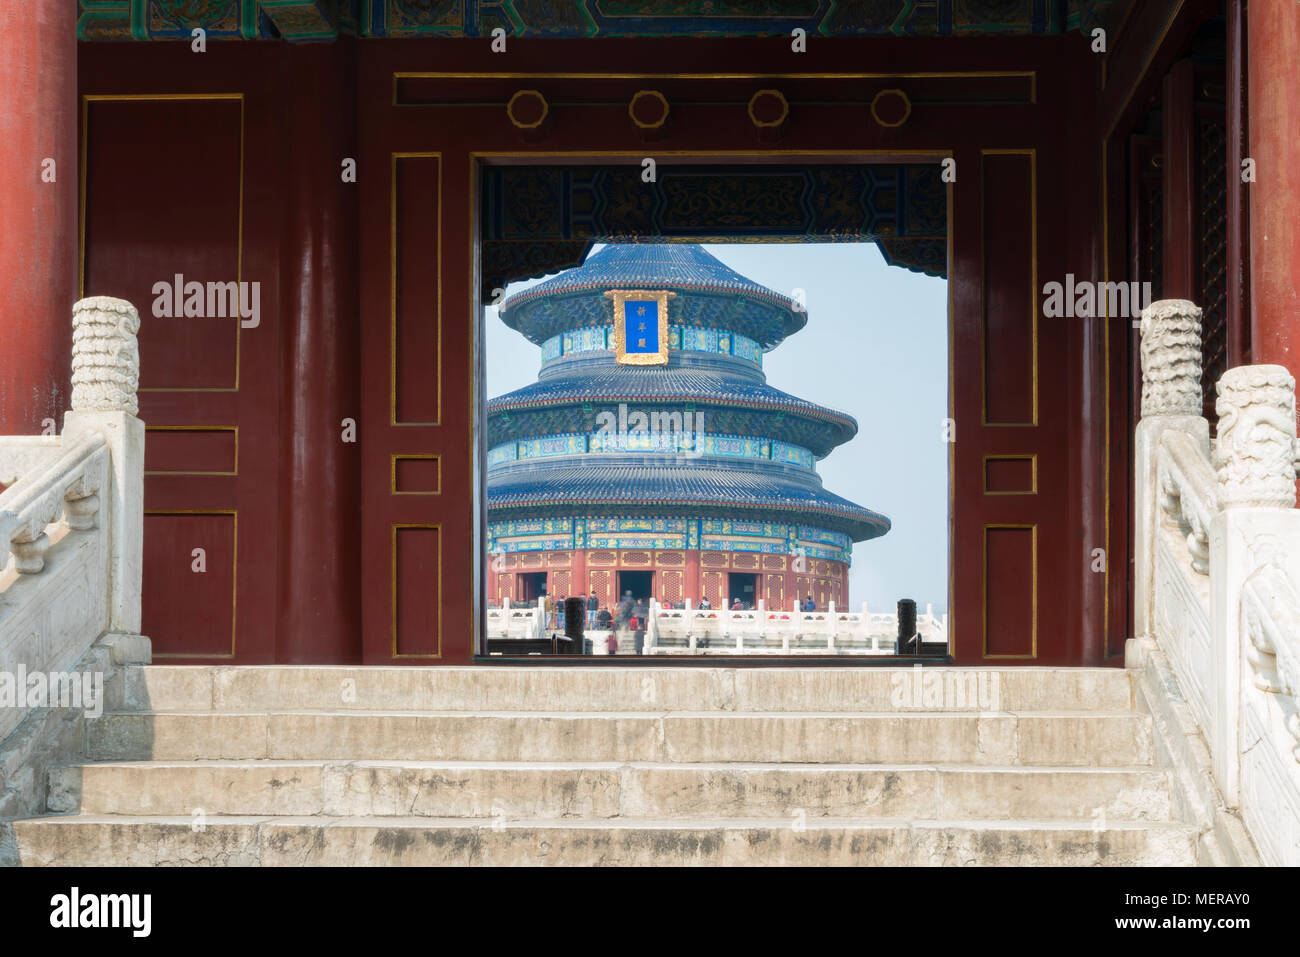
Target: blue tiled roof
683 267
705 387
679 487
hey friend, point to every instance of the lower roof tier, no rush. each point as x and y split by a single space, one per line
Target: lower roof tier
706 491
821 429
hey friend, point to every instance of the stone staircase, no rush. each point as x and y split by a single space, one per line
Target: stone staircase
621 765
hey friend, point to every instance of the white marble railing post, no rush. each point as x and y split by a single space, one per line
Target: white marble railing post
1171 399
1258 525
105 376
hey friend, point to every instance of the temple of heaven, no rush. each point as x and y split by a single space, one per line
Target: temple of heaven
651 455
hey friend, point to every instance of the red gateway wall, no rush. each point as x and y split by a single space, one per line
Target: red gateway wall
326 460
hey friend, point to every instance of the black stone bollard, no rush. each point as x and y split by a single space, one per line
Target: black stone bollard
575 619
906 628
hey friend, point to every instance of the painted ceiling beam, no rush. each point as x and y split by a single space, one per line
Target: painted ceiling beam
318 20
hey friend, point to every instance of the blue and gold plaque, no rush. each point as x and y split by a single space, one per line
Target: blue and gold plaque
640 326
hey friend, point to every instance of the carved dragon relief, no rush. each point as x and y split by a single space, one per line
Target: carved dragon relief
1255 452
1270 607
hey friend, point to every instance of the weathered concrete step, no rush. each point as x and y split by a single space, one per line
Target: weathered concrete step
1077 739
78 840
502 688
608 790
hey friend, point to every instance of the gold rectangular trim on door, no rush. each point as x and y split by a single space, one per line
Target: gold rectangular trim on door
1033 288
195 428
86 100
984 588
406 457
394 529
234 573
392 288
1031 458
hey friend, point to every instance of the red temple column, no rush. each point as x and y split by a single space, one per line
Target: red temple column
38 210
320 599
578 574
1273 54
691 587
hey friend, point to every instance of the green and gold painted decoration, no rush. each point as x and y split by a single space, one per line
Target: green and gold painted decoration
316 20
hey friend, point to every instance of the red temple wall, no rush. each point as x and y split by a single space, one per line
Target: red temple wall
779 581
321 549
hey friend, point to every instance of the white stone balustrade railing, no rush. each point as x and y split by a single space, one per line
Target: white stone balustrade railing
71 529
1217 559
703 631
762 630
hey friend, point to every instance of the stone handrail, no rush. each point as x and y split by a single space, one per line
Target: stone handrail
1215 583
67 487
71 530
20 454
1188 492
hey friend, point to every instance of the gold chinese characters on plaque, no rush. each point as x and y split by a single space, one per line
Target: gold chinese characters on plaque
640 326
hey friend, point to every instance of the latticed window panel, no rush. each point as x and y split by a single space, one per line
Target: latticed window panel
1213 180
600 582
1155 240
775 591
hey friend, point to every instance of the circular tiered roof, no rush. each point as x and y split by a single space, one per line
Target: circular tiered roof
759 444
708 293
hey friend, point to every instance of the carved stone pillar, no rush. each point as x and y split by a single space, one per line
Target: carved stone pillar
1171 358
105 374
105 355
1254 455
1171 400
1257 525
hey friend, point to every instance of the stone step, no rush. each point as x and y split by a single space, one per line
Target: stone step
608 790
1067 739
657 689
84 840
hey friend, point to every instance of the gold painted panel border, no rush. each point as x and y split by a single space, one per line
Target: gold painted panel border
394 528
86 100
392 286
1031 75
195 428
234 575
1032 153
984 589
407 456
1030 457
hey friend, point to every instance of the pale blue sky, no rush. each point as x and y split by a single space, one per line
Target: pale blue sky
875 346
